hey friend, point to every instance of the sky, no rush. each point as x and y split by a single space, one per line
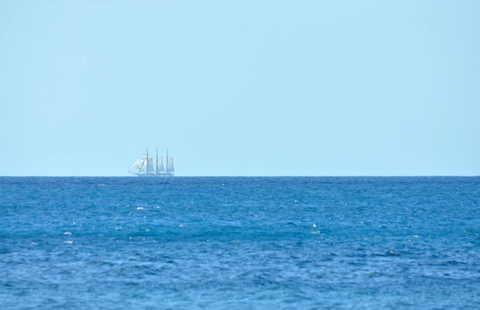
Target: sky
240 88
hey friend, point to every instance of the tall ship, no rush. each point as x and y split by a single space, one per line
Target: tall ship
145 167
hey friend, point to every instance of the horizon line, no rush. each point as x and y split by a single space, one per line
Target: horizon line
238 176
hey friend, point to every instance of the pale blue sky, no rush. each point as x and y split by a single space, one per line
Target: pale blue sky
245 88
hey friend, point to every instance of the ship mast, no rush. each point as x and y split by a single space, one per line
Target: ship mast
156 163
166 161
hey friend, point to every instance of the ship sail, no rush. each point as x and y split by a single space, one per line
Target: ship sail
146 164
160 167
142 166
170 165
136 167
149 166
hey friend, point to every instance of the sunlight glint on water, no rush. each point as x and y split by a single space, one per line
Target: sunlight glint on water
217 243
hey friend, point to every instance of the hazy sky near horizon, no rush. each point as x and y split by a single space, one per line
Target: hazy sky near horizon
243 88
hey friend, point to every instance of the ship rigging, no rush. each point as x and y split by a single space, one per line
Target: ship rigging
146 167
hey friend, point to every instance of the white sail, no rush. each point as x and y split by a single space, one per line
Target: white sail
150 165
136 166
160 167
170 165
143 164
147 163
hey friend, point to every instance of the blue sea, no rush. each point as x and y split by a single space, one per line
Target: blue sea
240 243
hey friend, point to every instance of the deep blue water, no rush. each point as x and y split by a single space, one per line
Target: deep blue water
240 243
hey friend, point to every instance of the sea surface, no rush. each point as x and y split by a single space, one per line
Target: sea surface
240 243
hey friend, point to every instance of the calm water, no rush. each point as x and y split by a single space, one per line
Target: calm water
240 243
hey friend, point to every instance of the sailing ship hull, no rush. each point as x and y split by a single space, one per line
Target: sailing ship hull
155 175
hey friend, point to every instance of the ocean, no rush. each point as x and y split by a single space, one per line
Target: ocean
240 243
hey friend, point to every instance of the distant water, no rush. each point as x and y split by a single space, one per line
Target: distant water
240 243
